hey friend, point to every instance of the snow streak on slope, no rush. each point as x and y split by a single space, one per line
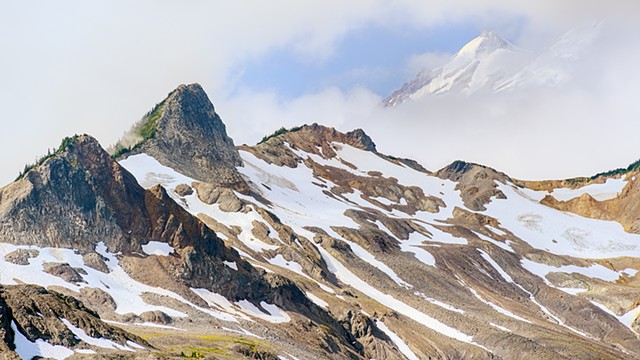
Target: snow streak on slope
28 350
157 248
402 346
595 271
101 342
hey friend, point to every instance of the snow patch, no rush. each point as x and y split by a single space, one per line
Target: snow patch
28 350
101 342
500 327
316 300
157 248
274 314
439 303
231 265
402 346
595 271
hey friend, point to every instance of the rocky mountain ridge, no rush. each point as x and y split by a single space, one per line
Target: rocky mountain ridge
328 249
30 314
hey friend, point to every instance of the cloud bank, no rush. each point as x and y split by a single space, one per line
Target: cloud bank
580 127
95 67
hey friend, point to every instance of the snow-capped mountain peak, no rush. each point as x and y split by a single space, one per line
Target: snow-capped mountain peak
486 43
478 64
492 63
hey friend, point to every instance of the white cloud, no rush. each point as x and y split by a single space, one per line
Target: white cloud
75 66
582 127
430 60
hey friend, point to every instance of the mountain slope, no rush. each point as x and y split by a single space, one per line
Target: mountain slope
330 249
36 322
371 218
490 64
480 64
184 132
81 224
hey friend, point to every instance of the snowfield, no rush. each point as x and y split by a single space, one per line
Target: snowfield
300 203
560 232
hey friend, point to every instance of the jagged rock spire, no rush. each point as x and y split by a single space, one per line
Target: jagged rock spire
185 133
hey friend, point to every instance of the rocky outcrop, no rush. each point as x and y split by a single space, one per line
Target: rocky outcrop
185 133
477 183
21 256
313 139
212 194
38 314
373 342
75 199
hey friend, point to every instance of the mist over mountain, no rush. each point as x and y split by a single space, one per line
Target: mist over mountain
312 244
491 64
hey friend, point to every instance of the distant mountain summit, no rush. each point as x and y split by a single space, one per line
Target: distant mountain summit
486 43
184 132
479 64
491 63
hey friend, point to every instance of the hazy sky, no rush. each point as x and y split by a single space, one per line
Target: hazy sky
97 66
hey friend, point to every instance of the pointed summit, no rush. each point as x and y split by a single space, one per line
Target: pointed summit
75 198
478 65
185 133
484 44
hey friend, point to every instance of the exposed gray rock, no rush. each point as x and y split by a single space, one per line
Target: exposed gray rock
183 190
21 256
63 271
37 314
97 298
214 194
76 199
95 261
374 343
477 183
156 316
190 137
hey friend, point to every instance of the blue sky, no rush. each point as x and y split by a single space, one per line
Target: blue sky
375 57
